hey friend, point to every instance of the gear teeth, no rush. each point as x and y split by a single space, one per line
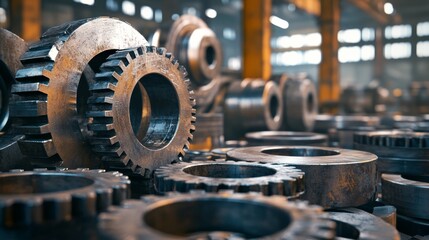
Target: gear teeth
29 108
39 148
393 139
42 55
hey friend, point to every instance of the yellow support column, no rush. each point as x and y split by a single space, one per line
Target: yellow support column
256 39
26 18
329 81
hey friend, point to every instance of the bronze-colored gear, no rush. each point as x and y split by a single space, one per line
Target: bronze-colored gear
50 98
142 110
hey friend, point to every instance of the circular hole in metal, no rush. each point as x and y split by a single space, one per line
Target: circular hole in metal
300 152
243 217
417 178
345 230
229 171
274 105
154 111
210 56
41 183
310 103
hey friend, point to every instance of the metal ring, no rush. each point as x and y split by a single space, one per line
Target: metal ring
50 98
267 138
215 216
325 122
211 176
334 177
52 196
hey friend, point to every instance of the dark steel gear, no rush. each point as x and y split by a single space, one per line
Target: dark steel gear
44 196
402 152
226 215
352 223
334 177
142 110
325 122
50 98
266 138
413 227
197 48
212 176
409 194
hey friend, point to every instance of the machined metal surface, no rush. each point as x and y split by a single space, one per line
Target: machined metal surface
299 103
334 177
142 110
402 152
413 226
40 196
196 47
267 138
212 176
409 194
220 153
50 98
352 223
325 122
10 154
208 132
215 216
252 105
344 136
11 49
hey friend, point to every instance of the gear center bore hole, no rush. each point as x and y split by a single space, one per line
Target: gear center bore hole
274 106
218 215
154 111
42 183
210 56
310 103
229 171
300 152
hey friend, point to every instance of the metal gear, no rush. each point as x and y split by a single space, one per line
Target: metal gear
299 103
224 215
252 105
409 194
413 226
325 122
50 98
266 138
209 132
334 177
402 152
212 176
41 196
142 110
197 47
352 223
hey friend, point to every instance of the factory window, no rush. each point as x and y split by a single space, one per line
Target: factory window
146 13
368 34
397 50
423 29
349 54
312 56
292 58
367 52
229 33
313 39
422 49
349 35
234 63
112 5
128 8
398 31
86 2
296 41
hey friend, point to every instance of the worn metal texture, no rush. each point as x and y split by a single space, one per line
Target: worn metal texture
409 194
402 152
413 226
197 48
352 223
252 105
142 112
345 135
50 96
325 122
44 196
10 154
212 176
334 177
267 138
220 153
208 132
225 215
300 103
381 210
11 49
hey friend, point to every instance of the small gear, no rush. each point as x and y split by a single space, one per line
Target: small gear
44 196
142 110
211 176
49 98
200 215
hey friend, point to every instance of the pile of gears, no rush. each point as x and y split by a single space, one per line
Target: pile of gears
204 156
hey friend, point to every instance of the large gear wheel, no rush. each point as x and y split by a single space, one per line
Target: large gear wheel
212 176
226 215
197 48
50 98
142 110
44 196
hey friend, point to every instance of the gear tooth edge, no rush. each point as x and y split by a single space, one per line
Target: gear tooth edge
161 51
169 55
